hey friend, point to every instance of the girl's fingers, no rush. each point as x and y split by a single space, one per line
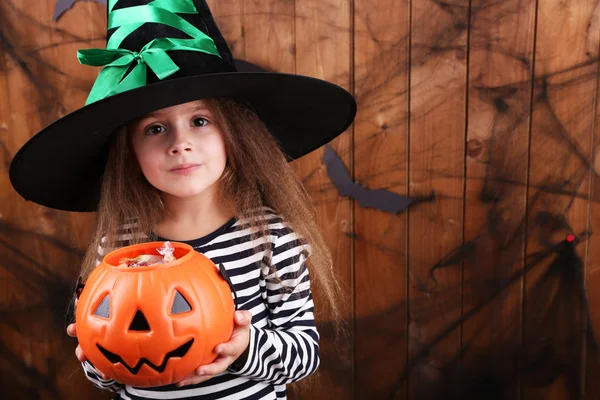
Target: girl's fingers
189 377
193 381
227 351
232 348
80 355
72 330
243 318
218 366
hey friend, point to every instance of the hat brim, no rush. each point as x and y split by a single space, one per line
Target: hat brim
61 167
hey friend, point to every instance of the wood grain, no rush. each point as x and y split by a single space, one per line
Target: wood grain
380 151
40 249
323 45
436 163
499 96
563 108
592 271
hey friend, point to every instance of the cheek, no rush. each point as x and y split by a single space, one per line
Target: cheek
144 161
146 158
218 151
149 168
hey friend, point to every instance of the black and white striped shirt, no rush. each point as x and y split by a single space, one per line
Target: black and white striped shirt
284 342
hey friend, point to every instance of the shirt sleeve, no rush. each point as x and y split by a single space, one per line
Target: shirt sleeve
287 349
94 376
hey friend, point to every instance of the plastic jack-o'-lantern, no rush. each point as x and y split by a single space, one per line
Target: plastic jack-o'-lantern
153 325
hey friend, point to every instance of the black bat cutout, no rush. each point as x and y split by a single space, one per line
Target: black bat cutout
178 352
63 5
379 199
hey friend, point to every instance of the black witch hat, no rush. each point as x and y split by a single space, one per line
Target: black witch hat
158 54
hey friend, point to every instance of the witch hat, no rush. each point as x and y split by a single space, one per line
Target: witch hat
158 54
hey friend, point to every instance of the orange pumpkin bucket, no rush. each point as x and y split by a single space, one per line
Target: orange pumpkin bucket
153 325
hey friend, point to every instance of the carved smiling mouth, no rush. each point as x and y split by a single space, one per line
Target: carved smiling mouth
178 352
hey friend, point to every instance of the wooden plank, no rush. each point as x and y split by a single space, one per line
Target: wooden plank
24 358
323 45
40 248
436 163
270 35
592 274
500 71
229 16
380 149
592 271
562 124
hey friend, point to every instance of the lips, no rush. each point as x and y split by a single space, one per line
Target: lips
184 168
178 352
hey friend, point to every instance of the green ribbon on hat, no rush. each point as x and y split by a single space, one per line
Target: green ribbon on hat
114 78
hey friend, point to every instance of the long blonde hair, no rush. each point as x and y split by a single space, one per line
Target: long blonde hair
257 174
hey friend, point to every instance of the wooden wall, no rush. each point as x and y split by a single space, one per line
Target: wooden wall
492 106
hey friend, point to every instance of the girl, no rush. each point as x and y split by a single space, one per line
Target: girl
176 144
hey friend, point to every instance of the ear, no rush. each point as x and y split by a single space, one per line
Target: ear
225 276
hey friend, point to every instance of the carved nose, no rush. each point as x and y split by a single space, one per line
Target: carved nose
139 322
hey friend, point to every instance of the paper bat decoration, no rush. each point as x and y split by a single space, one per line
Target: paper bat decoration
379 199
63 5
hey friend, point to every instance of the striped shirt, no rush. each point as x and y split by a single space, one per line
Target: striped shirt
284 342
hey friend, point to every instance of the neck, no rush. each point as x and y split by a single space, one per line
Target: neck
192 218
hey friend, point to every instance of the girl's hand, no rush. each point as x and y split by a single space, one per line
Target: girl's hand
228 352
72 331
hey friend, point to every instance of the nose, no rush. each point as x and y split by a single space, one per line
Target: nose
179 142
139 323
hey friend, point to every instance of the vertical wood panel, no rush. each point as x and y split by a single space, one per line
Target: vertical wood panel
229 16
562 125
40 249
592 352
592 272
323 45
437 137
500 73
381 76
270 35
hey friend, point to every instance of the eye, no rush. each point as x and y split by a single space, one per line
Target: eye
103 309
155 130
199 121
180 304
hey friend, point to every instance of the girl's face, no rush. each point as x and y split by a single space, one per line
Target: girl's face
180 150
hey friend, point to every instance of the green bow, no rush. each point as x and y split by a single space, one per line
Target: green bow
114 78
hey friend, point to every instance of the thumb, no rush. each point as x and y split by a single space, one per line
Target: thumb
243 318
72 330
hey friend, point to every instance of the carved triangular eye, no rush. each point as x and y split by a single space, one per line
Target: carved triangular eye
180 304
103 309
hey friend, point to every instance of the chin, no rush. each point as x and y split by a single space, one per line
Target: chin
187 190
185 193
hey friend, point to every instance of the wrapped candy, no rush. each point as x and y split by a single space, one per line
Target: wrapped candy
145 260
167 252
